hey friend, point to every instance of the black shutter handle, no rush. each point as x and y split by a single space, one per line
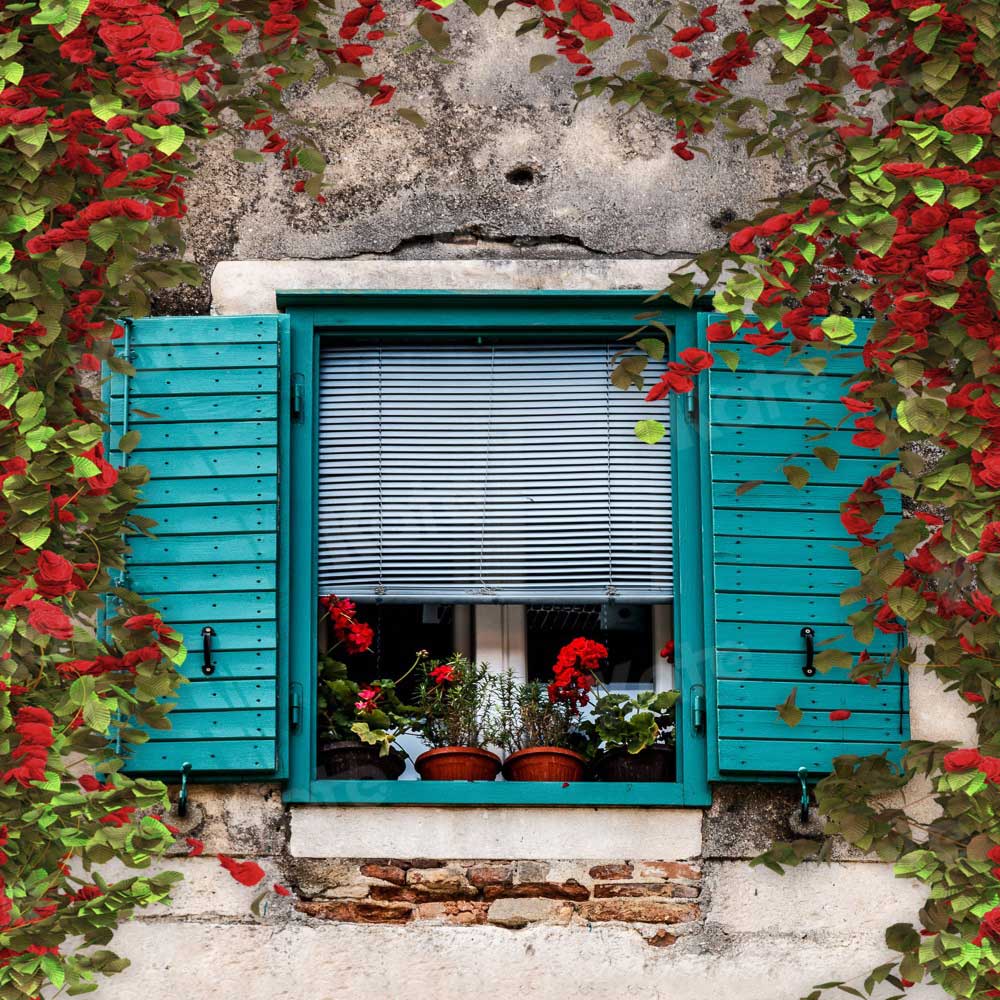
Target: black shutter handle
808 634
208 667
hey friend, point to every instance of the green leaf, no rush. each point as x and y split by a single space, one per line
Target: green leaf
928 189
839 329
53 968
311 159
730 358
653 347
245 155
966 147
96 714
748 486
788 711
814 365
830 457
128 442
796 475
538 62
650 431
83 467
411 116
29 404
857 9
35 537
105 106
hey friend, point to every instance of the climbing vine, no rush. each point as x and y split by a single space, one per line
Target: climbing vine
893 109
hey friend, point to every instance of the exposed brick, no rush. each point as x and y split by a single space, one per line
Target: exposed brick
358 912
491 874
517 913
532 871
388 873
419 894
643 911
570 889
612 871
441 881
668 869
661 939
618 890
420 863
454 911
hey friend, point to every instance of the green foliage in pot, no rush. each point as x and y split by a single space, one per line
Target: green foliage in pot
373 713
630 722
528 717
457 702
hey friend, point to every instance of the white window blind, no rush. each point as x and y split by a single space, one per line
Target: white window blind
462 473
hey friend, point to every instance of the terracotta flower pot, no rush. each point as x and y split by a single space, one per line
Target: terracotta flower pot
544 764
352 760
654 763
458 764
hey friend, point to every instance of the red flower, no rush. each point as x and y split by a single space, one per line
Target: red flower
281 890
973 698
197 847
967 119
54 575
281 24
990 767
368 700
956 761
49 620
839 715
667 652
162 33
245 872
989 926
444 674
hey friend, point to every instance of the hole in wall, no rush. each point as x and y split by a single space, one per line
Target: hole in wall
521 176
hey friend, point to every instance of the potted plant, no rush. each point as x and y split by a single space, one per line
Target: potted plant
540 735
457 702
540 726
632 737
358 723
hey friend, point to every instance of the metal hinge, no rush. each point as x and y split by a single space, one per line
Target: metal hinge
295 708
698 708
691 405
298 398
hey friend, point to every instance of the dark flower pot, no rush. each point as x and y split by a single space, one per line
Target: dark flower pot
654 763
458 764
544 764
351 760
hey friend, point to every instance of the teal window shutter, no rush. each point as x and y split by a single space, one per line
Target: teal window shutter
209 401
779 565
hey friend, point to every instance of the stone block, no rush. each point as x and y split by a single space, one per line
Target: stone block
387 873
450 881
516 913
668 870
616 871
454 911
357 912
546 890
639 890
644 911
319 877
491 874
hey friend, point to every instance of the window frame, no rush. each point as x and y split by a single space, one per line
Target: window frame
320 315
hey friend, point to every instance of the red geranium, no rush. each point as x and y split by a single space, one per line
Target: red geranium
956 761
247 873
968 119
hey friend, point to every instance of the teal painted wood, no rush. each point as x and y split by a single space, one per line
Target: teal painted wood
200 549
431 315
209 758
235 434
211 356
843 362
204 579
740 468
766 724
826 693
221 489
791 580
208 391
234 664
742 665
764 552
153 384
754 757
168 409
783 442
765 637
778 569
235 724
213 520
775 608
240 606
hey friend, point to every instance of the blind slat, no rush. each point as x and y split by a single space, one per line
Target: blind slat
497 473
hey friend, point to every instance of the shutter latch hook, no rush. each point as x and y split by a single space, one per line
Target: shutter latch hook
804 800
809 635
182 797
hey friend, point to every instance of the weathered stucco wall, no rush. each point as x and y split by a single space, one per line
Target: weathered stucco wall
508 187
